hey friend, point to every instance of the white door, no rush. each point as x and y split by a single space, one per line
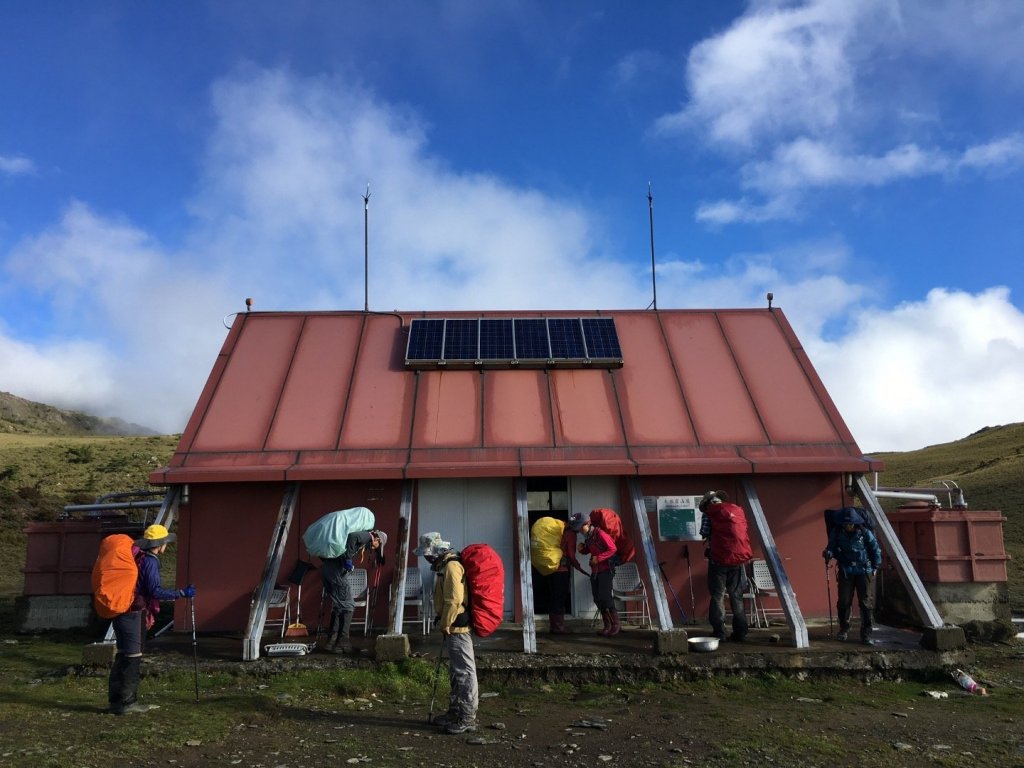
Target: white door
585 494
470 511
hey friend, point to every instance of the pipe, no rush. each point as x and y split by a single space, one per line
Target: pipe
907 495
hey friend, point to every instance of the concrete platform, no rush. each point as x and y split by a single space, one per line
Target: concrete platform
585 656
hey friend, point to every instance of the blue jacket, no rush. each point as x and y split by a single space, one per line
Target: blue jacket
856 551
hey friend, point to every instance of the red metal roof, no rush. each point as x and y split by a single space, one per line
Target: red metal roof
325 395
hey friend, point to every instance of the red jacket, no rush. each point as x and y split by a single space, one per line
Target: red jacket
601 548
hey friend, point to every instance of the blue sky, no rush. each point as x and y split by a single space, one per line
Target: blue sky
161 162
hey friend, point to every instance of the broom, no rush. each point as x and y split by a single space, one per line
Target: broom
298 629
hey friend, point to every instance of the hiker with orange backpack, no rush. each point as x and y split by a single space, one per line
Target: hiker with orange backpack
130 626
451 600
727 546
601 548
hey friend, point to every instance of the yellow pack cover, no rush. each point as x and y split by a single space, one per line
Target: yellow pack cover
546 544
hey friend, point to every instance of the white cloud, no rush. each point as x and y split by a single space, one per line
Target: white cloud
782 68
928 371
1006 153
16 165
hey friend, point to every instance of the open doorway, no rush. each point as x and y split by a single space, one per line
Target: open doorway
547 497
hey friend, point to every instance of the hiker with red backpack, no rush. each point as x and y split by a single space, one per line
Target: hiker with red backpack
727 547
601 548
130 626
451 601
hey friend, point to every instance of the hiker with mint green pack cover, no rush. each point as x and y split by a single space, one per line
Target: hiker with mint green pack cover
341 539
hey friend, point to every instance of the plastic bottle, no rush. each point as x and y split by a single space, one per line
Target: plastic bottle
968 684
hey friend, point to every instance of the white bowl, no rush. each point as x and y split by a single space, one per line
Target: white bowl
703 644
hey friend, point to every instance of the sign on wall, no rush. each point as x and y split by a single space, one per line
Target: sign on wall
678 517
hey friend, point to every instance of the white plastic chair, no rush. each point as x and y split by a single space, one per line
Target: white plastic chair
416 597
629 589
359 583
764 586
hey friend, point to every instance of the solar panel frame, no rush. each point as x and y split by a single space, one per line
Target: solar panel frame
497 339
426 339
601 337
462 339
566 335
531 337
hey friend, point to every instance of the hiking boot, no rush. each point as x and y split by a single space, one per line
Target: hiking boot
445 719
130 709
460 726
842 635
734 638
866 640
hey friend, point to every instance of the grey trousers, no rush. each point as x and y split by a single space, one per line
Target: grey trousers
465 696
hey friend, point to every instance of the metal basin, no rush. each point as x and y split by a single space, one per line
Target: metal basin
703 644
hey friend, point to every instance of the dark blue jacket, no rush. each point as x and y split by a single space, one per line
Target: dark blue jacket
856 551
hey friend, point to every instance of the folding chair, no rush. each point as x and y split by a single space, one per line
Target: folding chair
278 610
753 613
764 586
416 597
629 589
360 594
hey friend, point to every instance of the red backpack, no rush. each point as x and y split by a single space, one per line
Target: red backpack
609 521
485 580
729 542
114 575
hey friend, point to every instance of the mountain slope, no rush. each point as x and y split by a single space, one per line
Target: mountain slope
989 467
21 416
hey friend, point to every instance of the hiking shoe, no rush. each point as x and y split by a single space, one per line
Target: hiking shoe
842 635
445 719
867 641
734 638
131 709
460 726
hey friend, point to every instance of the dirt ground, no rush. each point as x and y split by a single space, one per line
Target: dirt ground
724 720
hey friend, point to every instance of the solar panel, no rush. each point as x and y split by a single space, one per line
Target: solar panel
566 338
532 339
602 338
461 339
425 340
496 342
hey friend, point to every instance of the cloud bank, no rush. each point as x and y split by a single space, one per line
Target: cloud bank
277 213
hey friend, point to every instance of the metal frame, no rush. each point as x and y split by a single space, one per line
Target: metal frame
525 573
657 587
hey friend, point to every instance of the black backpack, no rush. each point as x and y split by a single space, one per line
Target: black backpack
843 515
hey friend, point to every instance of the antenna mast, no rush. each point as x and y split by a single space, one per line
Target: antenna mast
366 249
650 211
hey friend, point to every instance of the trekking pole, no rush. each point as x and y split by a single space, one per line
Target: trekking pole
828 590
682 613
689 580
195 653
437 674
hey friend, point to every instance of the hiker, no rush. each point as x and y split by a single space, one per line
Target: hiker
560 583
859 557
451 602
723 528
601 548
335 573
130 627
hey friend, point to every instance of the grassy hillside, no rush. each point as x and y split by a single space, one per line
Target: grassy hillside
989 467
20 416
41 474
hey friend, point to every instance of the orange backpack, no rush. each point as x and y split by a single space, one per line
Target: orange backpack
114 575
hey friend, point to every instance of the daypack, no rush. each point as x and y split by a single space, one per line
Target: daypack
729 542
327 537
609 521
546 544
485 582
114 576
855 515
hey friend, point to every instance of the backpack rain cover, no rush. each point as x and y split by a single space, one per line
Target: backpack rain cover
485 581
114 575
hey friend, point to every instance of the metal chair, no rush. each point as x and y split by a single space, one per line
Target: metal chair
359 583
750 593
764 586
629 589
416 597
